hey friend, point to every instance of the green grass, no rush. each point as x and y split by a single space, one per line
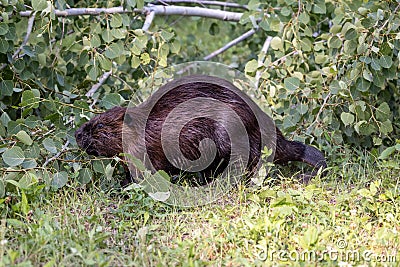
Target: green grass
346 217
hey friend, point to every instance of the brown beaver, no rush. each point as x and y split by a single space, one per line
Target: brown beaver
219 116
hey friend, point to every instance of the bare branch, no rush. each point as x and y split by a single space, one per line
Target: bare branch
102 80
158 10
148 21
26 39
230 44
201 2
262 57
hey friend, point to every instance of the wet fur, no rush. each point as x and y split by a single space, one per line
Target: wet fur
102 135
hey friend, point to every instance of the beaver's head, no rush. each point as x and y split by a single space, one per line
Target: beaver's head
102 135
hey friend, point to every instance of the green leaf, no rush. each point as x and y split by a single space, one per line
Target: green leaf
59 179
24 204
334 42
383 113
85 175
28 180
94 72
119 33
335 29
350 46
4 46
251 66
302 109
334 87
39 5
319 7
140 4
321 59
166 35
350 34
30 99
95 40
310 237
49 144
105 63
109 171
277 43
347 118
24 138
2 189
6 87
131 3
291 83
107 36
367 74
362 84
386 61
114 51
13 156
306 44
375 64
145 58
387 152
304 18
3 28
4 119
386 127
116 21
112 100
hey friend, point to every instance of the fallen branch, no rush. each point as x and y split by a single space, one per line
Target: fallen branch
158 10
230 44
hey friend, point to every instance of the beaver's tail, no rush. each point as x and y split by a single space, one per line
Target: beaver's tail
296 151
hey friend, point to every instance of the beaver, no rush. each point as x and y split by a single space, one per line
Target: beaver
139 130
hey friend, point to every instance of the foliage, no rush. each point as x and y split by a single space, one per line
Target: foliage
333 68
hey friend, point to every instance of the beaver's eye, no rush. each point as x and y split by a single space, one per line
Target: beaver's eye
99 125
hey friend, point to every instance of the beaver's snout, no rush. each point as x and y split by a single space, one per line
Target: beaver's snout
102 135
82 138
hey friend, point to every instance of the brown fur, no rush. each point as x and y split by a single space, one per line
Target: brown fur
102 135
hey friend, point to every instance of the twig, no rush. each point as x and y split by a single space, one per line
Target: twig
282 58
158 10
299 8
321 109
26 39
200 2
57 155
262 57
148 21
230 44
96 86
